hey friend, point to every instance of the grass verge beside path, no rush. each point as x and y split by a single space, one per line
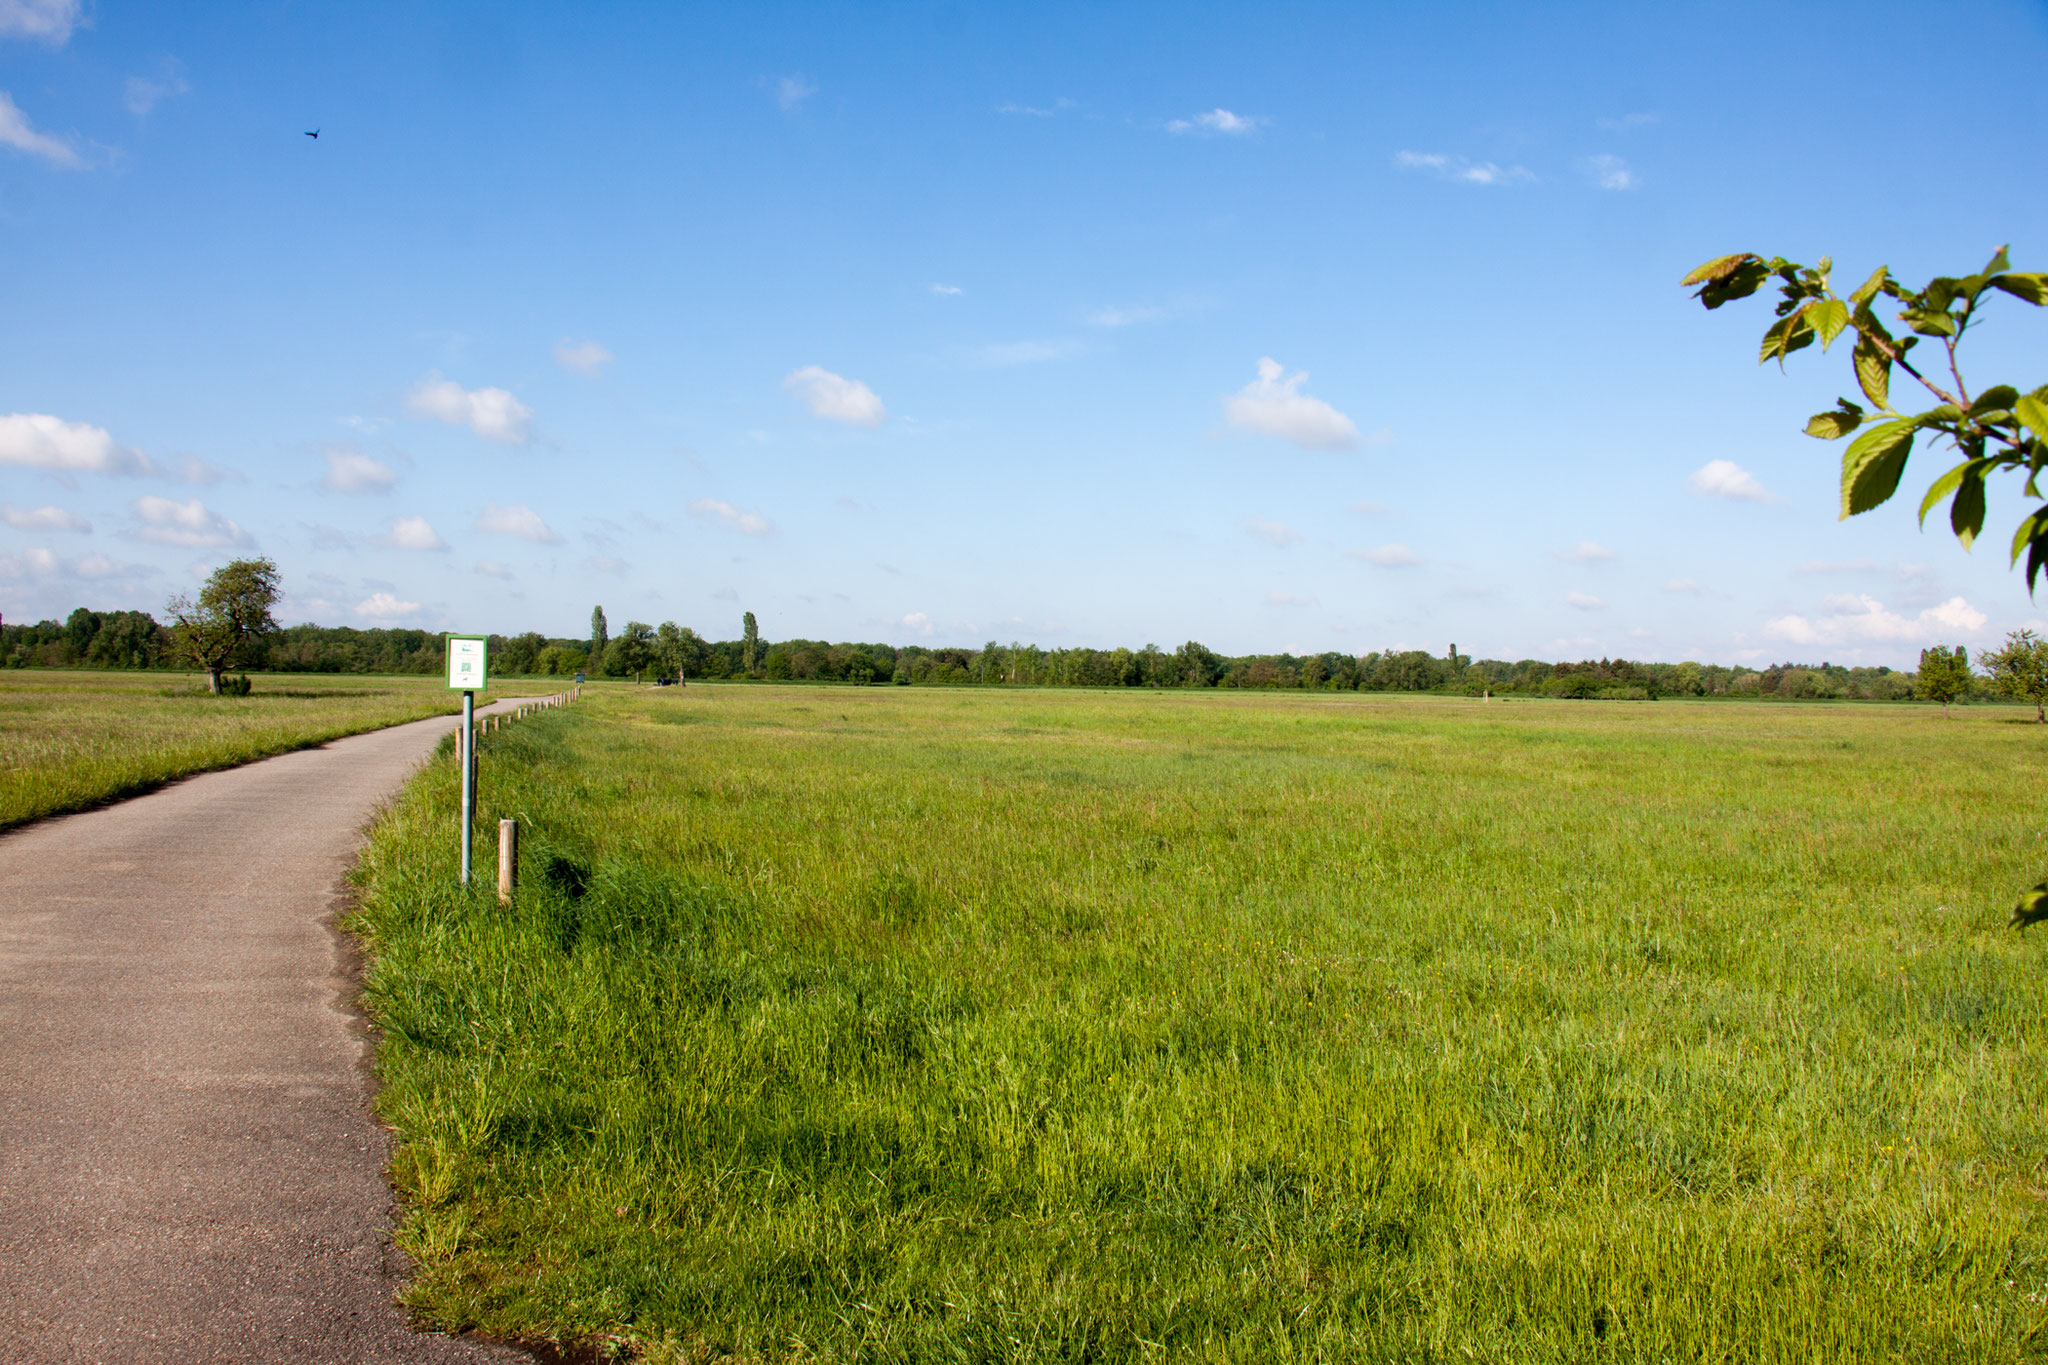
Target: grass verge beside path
906 1025
75 738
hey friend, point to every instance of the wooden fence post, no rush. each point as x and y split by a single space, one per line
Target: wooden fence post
508 859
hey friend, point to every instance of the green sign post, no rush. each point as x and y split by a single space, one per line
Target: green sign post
468 673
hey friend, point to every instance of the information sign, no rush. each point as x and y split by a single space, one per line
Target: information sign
466 666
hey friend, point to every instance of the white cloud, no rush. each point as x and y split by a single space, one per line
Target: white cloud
192 469
1387 556
1584 601
1216 121
165 521
584 357
1854 618
835 397
35 440
1609 172
37 563
492 569
518 521
43 519
1369 509
947 290
1288 599
1586 552
17 132
1838 566
1275 533
351 471
50 20
1627 122
383 606
414 533
493 414
608 564
917 622
97 568
746 523
1461 169
1727 479
1276 406
792 91
144 93
1683 585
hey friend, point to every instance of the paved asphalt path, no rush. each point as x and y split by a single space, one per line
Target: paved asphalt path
189 1171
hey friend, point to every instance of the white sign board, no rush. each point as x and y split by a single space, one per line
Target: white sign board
466 662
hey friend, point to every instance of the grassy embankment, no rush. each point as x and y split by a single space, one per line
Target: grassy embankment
73 738
917 1025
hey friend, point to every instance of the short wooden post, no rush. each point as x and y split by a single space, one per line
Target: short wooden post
508 859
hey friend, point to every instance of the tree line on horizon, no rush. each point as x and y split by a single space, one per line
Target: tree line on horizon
135 640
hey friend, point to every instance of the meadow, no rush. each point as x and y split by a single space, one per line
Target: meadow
70 739
895 1024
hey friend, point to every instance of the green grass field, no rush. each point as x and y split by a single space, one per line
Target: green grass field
74 738
904 1025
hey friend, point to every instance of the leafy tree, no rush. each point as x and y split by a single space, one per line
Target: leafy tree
630 653
600 636
680 652
519 653
1198 667
2021 669
1998 429
79 629
1944 676
231 615
750 644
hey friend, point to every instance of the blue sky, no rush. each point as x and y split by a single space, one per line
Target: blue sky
1277 327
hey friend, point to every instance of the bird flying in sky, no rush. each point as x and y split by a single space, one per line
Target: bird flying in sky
315 135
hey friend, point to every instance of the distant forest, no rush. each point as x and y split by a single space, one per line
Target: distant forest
134 640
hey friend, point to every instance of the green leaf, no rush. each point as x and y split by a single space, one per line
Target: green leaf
1966 513
1729 277
2033 412
1790 333
2032 288
1868 289
2033 532
1828 317
1941 488
1872 464
1720 268
1997 398
1998 262
1930 322
1873 371
1833 426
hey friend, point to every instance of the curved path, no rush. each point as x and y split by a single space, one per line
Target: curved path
189 1170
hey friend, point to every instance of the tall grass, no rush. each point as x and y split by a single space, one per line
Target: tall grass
901 1025
72 739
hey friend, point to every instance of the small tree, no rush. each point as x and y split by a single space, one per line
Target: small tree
232 613
599 635
750 644
630 652
1944 676
2021 670
679 651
